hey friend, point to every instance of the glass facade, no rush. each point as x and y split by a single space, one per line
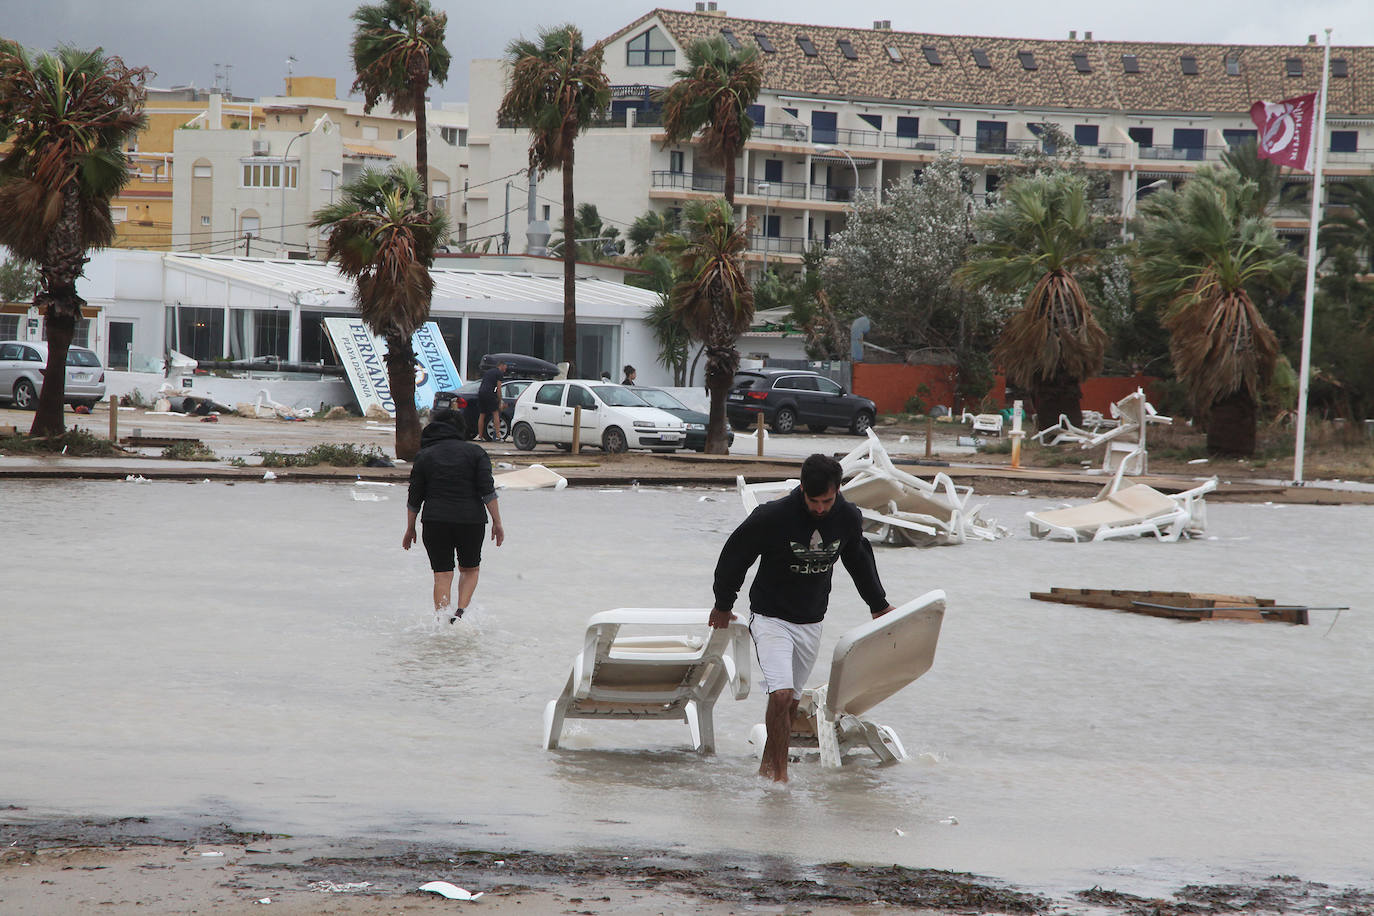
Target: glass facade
255 333
596 344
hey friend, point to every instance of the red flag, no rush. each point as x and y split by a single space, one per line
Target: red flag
1288 130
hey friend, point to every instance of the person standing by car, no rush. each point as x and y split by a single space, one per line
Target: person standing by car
796 540
451 480
629 375
489 401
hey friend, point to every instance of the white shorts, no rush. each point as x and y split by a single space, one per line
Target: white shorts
786 651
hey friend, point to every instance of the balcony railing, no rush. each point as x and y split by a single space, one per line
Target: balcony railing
834 192
784 244
780 190
998 146
799 133
1182 153
784 190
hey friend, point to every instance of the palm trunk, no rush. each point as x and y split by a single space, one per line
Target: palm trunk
730 179
1231 425
400 371
1056 397
59 269
569 267
422 140
721 365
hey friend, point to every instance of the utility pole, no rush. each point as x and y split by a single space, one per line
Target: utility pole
505 228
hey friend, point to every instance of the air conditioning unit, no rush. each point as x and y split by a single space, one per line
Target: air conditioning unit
1104 152
794 132
262 148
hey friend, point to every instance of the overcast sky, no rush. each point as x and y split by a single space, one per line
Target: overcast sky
182 40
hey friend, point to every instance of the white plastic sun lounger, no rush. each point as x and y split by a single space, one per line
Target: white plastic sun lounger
984 422
1135 510
534 477
676 669
1125 441
871 663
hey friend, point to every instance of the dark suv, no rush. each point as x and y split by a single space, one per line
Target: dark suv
789 397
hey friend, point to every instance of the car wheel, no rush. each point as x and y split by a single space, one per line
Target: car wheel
25 396
817 428
498 428
784 421
613 441
524 436
863 420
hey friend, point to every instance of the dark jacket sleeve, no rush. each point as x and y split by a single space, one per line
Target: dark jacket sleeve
483 481
419 480
857 557
739 553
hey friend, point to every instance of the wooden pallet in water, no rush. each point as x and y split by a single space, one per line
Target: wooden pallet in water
1179 605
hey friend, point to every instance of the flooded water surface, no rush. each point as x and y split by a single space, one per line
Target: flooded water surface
265 654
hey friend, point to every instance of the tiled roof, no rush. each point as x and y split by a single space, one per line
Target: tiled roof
1057 82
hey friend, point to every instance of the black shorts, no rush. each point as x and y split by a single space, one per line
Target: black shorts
488 403
443 539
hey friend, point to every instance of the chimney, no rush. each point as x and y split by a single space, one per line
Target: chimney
215 116
701 6
1087 36
882 25
1073 34
1311 39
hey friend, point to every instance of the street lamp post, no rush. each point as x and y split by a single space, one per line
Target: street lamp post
285 156
852 164
767 200
1133 197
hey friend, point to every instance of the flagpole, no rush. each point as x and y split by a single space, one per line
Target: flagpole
1313 222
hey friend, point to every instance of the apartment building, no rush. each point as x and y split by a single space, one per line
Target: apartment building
846 111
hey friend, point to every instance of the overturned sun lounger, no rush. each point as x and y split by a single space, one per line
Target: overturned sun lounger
870 663
534 477
1119 512
1125 440
898 508
675 670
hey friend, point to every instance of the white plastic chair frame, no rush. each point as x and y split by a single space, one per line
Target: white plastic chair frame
675 674
1135 510
1133 415
984 422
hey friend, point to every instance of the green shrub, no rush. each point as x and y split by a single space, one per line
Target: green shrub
346 455
188 451
75 442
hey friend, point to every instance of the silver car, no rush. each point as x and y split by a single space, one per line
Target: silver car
21 374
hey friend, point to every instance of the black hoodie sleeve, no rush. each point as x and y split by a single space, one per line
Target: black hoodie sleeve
739 553
857 557
419 478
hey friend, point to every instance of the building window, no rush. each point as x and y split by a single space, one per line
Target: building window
450 135
951 125
772 225
268 175
1339 67
1345 141
677 162
932 54
650 49
370 132
1293 66
757 114
201 171
1027 59
200 332
772 170
872 120
1144 136
1190 141
1130 63
119 214
847 49
894 54
807 47
730 38
1188 64
1232 65
1080 63
908 126
980 57
205 220
9 327
1237 137
824 127
259 332
991 137
1085 134
765 44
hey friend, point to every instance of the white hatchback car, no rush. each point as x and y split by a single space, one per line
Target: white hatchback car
21 374
613 416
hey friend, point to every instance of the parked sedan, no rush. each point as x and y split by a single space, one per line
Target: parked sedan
464 399
613 416
695 420
21 374
789 397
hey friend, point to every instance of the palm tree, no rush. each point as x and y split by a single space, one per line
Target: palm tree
1203 256
1036 238
383 238
398 51
712 95
600 236
1352 226
1272 188
67 117
647 227
712 298
556 89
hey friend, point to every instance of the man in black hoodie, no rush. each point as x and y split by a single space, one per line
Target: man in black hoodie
451 479
796 540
